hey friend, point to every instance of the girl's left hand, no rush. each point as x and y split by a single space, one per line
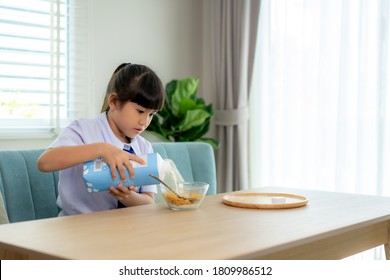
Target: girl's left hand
121 192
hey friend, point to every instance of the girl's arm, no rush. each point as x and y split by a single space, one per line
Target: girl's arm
59 158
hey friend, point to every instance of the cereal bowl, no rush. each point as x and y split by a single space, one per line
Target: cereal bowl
191 195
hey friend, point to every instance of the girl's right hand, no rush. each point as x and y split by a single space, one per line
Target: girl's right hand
119 160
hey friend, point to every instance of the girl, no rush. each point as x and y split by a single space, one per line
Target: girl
134 95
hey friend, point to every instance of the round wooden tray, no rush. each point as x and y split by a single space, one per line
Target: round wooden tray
265 200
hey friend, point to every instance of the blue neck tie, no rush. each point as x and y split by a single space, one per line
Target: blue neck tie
128 148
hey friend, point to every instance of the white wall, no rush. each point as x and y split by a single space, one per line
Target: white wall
170 36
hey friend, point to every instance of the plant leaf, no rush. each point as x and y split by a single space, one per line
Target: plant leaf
189 104
197 131
193 118
185 89
171 87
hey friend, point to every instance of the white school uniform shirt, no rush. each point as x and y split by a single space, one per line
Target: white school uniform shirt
73 197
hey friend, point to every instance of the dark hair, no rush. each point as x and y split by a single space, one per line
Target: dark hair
135 83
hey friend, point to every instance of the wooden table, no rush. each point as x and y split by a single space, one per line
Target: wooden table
331 226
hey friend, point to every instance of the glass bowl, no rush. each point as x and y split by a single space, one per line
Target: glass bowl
192 195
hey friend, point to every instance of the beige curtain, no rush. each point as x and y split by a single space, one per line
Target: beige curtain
234 41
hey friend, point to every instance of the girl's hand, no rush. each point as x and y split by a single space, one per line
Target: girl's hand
130 196
118 159
121 192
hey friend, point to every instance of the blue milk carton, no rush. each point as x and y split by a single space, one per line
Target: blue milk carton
97 175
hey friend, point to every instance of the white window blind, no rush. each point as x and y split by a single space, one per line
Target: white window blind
45 66
33 66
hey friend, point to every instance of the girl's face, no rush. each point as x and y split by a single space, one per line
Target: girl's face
128 120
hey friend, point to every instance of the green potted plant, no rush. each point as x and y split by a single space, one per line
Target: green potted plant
185 116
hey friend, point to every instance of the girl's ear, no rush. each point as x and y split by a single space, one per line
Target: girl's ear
113 101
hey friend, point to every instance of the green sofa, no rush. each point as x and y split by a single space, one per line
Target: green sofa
29 194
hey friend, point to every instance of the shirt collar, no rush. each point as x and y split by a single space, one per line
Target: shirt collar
111 137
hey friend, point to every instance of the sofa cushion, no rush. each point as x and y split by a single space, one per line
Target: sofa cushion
28 193
3 212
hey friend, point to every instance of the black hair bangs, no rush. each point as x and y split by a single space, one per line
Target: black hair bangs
149 101
149 92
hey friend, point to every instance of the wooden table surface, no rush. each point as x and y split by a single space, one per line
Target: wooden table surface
331 226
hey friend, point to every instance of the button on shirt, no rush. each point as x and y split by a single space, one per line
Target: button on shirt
73 197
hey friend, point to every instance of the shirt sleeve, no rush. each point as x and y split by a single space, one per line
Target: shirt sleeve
70 136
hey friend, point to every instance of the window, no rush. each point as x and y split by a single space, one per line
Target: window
33 65
45 58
